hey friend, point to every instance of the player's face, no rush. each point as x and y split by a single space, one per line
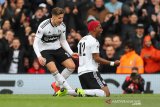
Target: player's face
58 19
99 30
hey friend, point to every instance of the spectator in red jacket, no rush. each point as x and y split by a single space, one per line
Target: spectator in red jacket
151 56
36 68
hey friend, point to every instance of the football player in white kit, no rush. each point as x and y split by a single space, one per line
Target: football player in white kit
88 49
50 45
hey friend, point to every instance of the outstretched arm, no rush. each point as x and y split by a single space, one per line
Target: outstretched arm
100 60
65 44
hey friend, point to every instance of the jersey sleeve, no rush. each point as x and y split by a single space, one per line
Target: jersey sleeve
37 39
95 47
64 42
39 32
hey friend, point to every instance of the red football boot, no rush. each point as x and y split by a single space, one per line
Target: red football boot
55 88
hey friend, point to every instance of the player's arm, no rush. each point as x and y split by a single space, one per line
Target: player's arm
66 46
100 60
95 54
37 39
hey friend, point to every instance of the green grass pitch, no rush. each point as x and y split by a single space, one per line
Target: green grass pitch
130 100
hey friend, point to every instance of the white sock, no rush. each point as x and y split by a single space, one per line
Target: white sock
72 92
65 73
61 81
95 92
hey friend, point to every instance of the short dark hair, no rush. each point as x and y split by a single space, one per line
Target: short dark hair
130 45
135 68
57 11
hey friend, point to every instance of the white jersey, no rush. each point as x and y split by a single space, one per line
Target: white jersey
86 47
50 35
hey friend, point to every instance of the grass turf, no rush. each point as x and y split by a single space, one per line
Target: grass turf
144 100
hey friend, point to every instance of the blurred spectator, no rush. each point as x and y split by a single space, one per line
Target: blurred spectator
4 48
36 68
6 25
25 41
138 38
151 57
150 6
9 36
98 10
8 9
75 14
130 30
36 19
113 5
107 42
19 6
122 26
30 51
129 60
45 10
155 31
117 44
19 24
133 84
128 7
71 42
110 55
110 23
16 58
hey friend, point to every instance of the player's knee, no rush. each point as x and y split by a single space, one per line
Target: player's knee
72 67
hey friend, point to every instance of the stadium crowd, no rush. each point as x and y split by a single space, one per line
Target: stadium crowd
131 32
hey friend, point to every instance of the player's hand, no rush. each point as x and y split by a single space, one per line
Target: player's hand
117 62
75 55
42 60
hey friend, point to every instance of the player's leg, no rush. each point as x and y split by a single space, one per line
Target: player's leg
94 84
69 68
82 92
50 64
64 58
58 77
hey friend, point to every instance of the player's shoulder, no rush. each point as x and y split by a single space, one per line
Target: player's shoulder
89 39
44 23
62 26
92 39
